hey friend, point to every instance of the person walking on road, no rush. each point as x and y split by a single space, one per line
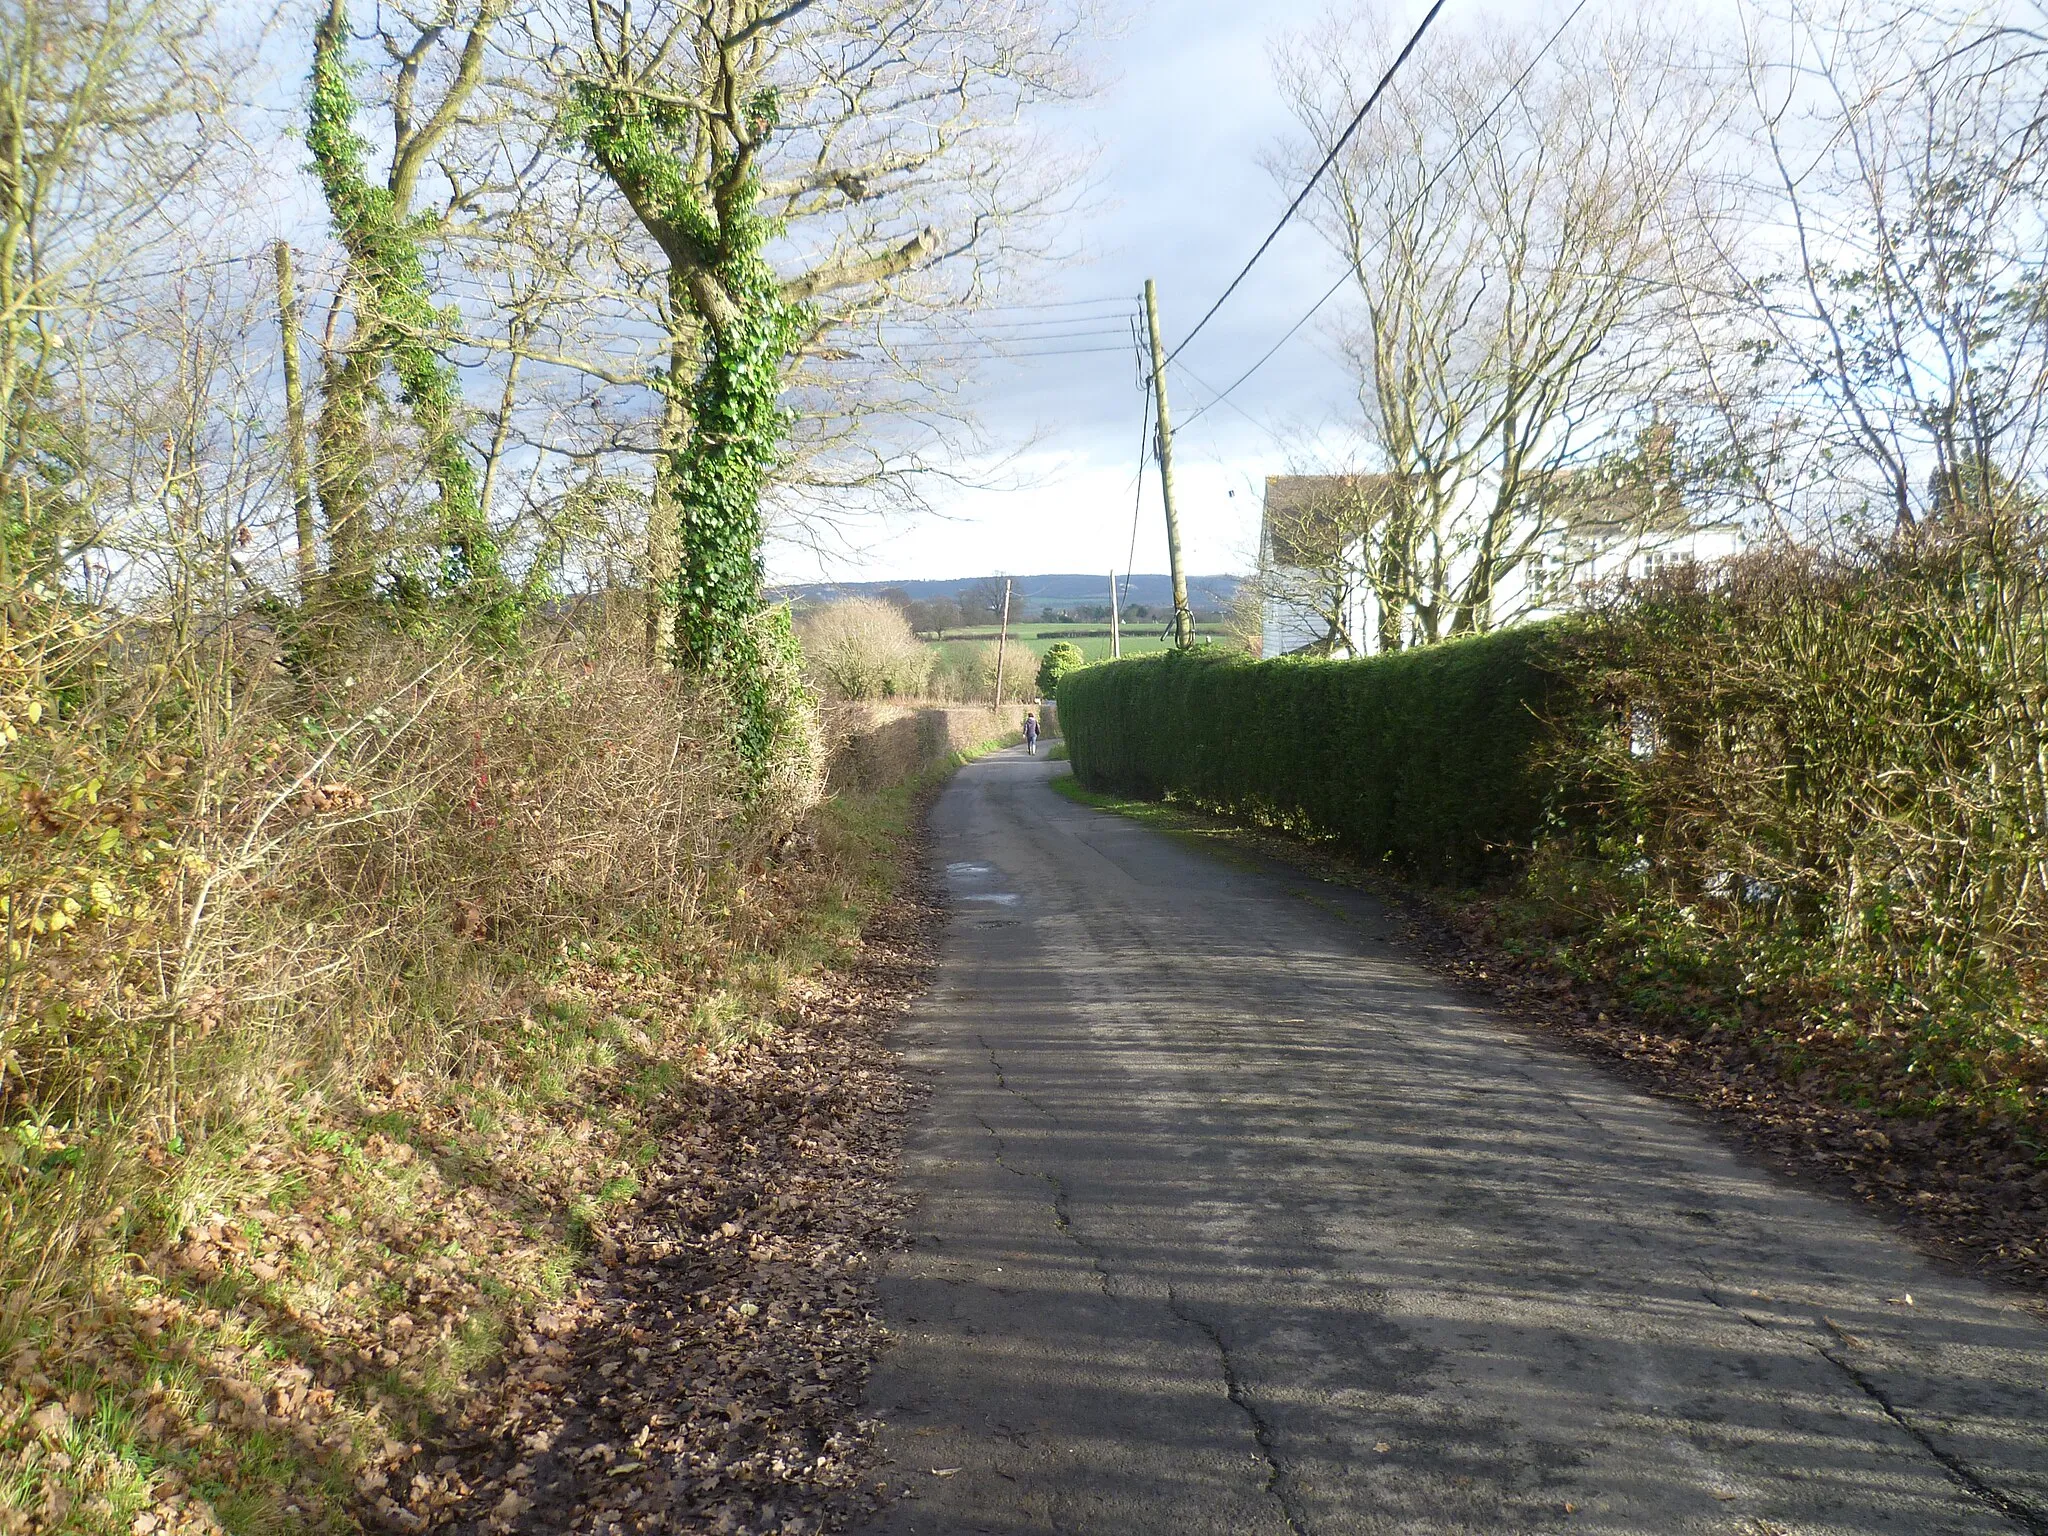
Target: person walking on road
1031 734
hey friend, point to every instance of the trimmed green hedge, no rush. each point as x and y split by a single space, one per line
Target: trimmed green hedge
1424 758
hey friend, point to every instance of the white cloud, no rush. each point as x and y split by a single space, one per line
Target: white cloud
1191 109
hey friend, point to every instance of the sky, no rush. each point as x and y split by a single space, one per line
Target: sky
1188 112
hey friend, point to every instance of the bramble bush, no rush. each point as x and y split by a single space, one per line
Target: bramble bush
1811 791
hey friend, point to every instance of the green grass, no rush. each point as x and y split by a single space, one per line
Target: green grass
1136 642
1162 815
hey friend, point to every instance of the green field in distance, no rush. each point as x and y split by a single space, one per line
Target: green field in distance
1139 639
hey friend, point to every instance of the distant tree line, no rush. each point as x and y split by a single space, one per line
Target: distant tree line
1133 613
980 602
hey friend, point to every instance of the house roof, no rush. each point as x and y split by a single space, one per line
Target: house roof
1595 507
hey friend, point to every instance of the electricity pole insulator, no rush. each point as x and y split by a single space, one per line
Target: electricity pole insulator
1183 620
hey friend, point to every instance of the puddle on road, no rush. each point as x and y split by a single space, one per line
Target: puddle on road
1001 898
962 871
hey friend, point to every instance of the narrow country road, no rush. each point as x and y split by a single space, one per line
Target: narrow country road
1235 1221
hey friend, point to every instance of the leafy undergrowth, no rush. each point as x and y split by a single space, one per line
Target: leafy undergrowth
1789 1072
282 1334
1943 1046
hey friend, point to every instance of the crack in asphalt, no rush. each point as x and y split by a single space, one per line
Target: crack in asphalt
1959 1471
1003 1083
2025 1517
1234 1388
1061 1219
1233 1383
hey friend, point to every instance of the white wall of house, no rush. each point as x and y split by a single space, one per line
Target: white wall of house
1552 581
1285 629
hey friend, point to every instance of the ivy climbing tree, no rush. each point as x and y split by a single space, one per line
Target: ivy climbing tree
397 324
803 170
714 235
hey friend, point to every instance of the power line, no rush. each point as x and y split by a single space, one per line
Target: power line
1221 399
1413 203
1317 175
1030 338
1267 356
1055 304
968 355
972 325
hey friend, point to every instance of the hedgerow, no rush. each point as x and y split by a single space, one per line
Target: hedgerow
1427 759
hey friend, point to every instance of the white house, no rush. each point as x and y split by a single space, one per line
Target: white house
1580 530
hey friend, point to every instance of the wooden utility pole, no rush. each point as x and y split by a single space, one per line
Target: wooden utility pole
1183 621
1116 637
1002 642
295 424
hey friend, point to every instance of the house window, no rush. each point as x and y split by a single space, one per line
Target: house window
1549 580
1654 560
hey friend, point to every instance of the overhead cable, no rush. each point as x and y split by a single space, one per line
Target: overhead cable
1315 176
1218 398
1137 501
1413 203
964 354
1111 298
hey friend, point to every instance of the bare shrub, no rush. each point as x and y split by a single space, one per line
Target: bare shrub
859 649
210 911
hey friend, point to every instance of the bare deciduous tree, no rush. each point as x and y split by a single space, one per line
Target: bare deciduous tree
809 172
107 111
1900 310
1321 550
1515 226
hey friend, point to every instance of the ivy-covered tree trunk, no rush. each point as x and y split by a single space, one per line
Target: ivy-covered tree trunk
348 385
395 323
711 483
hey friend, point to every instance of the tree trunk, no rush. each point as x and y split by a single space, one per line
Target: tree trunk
348 385
664 513
308 551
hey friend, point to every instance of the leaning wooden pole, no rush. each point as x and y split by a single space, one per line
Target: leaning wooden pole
1002 643
1183 620
295 425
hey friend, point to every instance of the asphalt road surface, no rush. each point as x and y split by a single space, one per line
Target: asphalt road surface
1235 1220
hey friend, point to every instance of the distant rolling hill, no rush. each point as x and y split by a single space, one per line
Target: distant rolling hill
1032 592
